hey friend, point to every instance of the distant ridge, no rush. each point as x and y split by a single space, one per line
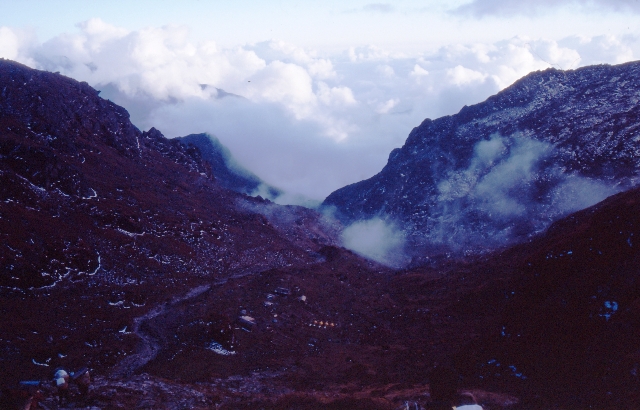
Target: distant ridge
503 170
227 171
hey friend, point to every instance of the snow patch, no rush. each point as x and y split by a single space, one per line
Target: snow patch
46 364
218 349
131 234
95 194
98 268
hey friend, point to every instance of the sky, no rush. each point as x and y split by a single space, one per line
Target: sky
310 95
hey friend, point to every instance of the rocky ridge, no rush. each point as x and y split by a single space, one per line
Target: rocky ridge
229 173
503 170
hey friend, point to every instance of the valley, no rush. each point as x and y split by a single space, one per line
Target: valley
124 252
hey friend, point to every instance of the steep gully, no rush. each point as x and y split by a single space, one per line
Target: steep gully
149 345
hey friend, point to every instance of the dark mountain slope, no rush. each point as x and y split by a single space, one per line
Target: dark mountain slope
229 174
78 158
552 322
552 143
99 222
566 307
120 251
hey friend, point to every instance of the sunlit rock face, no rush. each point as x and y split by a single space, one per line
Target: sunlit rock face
499 171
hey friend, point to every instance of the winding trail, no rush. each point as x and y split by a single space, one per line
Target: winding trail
149 346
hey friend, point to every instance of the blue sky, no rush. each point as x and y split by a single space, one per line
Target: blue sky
328 87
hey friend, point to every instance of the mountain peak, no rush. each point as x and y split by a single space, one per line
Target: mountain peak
502 170
58 110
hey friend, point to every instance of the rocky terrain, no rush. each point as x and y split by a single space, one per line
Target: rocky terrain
229 173
100 222
503 170
123 251
568 324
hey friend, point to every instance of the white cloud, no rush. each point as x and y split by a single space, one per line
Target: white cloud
418 72
321 69
9 43
605 49
494 189
15 45
376 239
159 62
289 153
285 83
335 96
502 187
386 70
387 106
308 123
460 75
100 32
370 52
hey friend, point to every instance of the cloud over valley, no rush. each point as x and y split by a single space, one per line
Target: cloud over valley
307 123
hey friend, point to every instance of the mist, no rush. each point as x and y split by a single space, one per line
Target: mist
513 188
378 240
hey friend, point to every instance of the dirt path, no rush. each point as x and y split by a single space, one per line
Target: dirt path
149 346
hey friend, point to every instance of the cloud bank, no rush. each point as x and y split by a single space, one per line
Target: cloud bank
481 8
378 240
305 122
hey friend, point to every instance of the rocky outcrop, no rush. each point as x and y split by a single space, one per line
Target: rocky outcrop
229 174
61 113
